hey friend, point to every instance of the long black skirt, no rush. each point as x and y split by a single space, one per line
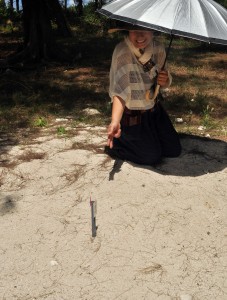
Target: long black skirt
146 143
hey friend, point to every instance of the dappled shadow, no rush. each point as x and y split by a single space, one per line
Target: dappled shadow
199 156
56 90
197 80
194 56
6 143
184 103
7 204
9 43
62 84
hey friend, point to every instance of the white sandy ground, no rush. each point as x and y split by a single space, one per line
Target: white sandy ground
161 231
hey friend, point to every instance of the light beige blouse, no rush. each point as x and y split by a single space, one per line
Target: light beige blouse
128 79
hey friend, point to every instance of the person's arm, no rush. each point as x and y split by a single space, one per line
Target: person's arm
114 129
163 79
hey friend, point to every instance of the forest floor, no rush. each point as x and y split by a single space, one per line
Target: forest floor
161 231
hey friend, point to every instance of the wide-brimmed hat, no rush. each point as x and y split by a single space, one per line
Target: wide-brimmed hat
122 26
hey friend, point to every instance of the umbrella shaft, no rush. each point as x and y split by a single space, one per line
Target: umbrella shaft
167 52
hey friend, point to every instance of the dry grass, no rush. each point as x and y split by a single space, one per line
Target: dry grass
89 147
27 156
198 92
30 155
73 176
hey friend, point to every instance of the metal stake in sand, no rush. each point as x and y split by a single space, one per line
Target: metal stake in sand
93 217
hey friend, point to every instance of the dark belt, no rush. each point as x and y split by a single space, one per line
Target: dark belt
132 117
130 120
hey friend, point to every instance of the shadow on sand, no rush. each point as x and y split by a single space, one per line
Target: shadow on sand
199 156
7 204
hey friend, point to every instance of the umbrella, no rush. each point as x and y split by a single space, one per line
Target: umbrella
203 20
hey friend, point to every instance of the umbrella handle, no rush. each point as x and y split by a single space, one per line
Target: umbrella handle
155 93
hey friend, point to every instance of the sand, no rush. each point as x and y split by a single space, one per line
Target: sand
161 231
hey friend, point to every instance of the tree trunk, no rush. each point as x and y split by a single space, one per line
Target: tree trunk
37 28
38 37
10 4
17 5
79 6
57 13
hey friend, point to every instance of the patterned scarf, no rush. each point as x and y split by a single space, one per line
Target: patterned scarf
145 57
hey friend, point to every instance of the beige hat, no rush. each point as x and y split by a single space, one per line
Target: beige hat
122 26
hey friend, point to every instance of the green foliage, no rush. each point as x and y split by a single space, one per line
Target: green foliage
2 6
3 12
61 130
222 2
9 20
40 122
91 21
206 116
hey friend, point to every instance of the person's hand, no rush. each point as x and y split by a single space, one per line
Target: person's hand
113 131
163 78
